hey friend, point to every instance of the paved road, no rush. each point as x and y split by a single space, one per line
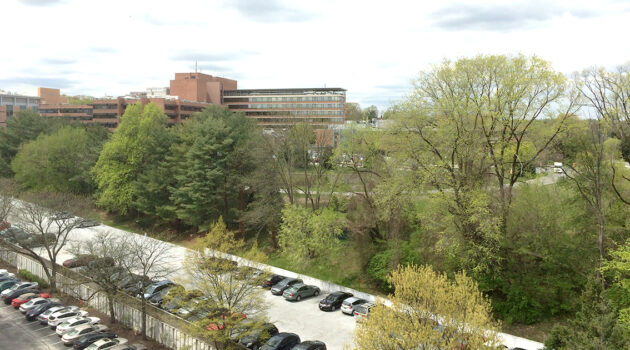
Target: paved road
18 334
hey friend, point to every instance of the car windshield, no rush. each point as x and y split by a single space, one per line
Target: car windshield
292 289
332 297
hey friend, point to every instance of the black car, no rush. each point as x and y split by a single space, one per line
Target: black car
310 345
31 315
257 338
8 298
88 339
273 280
279 287
333 301
281 341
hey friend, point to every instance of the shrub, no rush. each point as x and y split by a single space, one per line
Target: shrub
33 278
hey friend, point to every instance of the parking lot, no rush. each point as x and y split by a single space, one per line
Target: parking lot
18 334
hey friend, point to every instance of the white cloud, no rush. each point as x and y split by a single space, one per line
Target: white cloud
372 48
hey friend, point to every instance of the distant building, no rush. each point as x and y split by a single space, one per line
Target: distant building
158 92
322 108
12 103
51 96
200 87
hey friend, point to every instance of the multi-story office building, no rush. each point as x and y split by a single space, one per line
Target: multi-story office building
319 107
80 113
12 103
107 112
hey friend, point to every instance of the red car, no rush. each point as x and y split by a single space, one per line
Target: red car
26 297
79 261
4 225
215 326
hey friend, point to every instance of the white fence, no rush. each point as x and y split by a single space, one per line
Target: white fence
127 315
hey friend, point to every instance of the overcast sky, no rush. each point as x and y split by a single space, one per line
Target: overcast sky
374 49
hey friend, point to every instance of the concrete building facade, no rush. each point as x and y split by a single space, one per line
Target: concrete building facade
12 103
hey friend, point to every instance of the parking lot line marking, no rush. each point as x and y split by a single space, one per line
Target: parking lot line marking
50 335
39 329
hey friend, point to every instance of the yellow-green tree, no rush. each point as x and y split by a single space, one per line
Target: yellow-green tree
429 311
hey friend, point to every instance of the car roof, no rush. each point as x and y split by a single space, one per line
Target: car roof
338 293
84 326
351 300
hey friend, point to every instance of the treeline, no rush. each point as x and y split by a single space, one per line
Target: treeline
444 185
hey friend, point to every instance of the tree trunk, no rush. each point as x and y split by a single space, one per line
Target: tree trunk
110 301
53 277
144 318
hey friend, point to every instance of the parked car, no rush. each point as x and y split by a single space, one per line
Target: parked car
98 263
248 273
19 286
33 303
87 223
310 345
174 304
4 285
155 288
78 261
362 311
24 298
8 298
129 347
300 291
281 341
106 343
281 286
61 316
42 314
333 301
38 240
272 281
90 338
73 322
348 305
157 298
33 313
14 235
4 272
219 325
9 277
61 215
80 331
4 225
43 317
256 339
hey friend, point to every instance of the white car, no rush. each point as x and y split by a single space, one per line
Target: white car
106 343
43 318
24 308
70 324
348 305
60 316
80 331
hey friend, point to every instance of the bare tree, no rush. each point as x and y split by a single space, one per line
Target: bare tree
229 292
106 249
8 189
45 222
151 259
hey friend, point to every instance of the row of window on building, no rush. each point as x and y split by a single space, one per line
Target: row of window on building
297 99
289 105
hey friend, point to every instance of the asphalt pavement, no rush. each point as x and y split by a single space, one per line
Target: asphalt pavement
18 334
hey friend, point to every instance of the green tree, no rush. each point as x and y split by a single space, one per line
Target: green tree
59 162
353 111
124 156
595 326
211 174
25 126
306 234
421 298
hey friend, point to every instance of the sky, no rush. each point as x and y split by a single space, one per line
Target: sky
374 49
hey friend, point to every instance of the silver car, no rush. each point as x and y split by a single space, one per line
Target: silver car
348 305
80 331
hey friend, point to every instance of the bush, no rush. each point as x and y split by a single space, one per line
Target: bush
33 278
